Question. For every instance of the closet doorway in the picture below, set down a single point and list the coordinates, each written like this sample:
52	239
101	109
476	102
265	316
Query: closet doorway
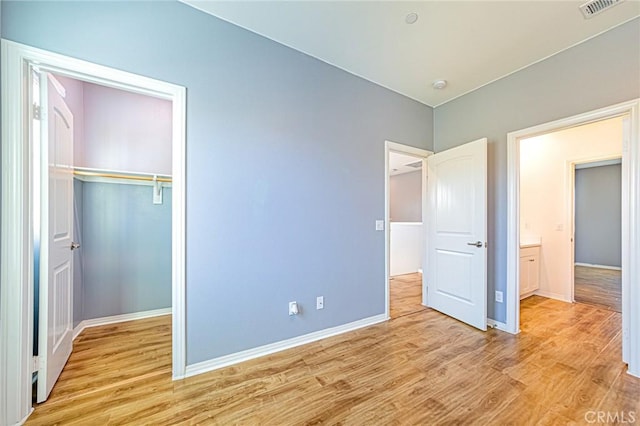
104	209
20	179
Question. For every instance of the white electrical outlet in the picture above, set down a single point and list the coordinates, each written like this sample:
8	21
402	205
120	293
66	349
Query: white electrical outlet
498	296
320	302
293	308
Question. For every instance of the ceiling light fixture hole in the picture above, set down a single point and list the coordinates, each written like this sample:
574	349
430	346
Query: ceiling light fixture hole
411	18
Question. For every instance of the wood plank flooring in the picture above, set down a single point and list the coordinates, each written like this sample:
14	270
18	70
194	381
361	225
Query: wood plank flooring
405	295
113	355
598	286
422	368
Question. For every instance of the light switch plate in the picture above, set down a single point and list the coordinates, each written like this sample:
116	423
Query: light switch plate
379	225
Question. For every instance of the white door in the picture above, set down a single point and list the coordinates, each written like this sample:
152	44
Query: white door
56	277
457	233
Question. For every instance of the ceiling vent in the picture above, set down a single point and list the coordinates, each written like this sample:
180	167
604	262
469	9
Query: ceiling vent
594	7
416	165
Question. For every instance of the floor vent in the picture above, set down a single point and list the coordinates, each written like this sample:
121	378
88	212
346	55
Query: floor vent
594	7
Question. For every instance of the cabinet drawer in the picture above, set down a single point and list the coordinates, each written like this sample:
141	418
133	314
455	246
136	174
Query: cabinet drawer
530	251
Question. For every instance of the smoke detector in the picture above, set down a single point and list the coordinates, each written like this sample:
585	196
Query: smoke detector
439	84
593	7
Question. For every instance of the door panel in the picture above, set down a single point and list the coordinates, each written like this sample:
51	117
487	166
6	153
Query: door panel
56	278
457	233
454	275
453	190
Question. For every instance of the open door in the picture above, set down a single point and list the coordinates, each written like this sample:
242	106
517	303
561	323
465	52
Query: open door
56	277
457	233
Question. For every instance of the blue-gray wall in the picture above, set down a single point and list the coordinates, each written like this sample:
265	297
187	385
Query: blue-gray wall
600	72
125	254
598	215
285	164
405	197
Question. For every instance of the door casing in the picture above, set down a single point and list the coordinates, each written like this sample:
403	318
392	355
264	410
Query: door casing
16	222
630	221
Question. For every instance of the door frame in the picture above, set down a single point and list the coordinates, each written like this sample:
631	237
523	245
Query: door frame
16	236
630	219
571	207
422	154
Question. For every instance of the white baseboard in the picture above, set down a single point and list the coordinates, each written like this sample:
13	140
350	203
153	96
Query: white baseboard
529	294
497	324
94	322
419	271
235	358
23	421
556	296
593	265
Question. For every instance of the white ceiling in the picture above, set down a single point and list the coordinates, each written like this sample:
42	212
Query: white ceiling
468	43
398	163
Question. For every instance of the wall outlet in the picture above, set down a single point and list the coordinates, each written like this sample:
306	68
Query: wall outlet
293	308
499	296
320	302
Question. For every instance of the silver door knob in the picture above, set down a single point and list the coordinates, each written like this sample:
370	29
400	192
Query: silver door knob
477	244
74	245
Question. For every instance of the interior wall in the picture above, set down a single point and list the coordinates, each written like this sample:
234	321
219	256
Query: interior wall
285	164
600	72
127	249
598	211
125	131
406	247
545	194
405	197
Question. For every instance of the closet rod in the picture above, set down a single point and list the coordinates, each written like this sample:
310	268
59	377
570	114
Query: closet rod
120	176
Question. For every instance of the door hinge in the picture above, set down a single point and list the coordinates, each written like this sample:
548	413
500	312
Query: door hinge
37	112
36	364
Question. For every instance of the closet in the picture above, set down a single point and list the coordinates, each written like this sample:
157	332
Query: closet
122	203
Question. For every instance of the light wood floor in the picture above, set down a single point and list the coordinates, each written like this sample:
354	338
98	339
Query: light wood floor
423	368
405	295
598	286
111	356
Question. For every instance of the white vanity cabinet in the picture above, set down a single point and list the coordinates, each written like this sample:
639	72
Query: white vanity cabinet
529	270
